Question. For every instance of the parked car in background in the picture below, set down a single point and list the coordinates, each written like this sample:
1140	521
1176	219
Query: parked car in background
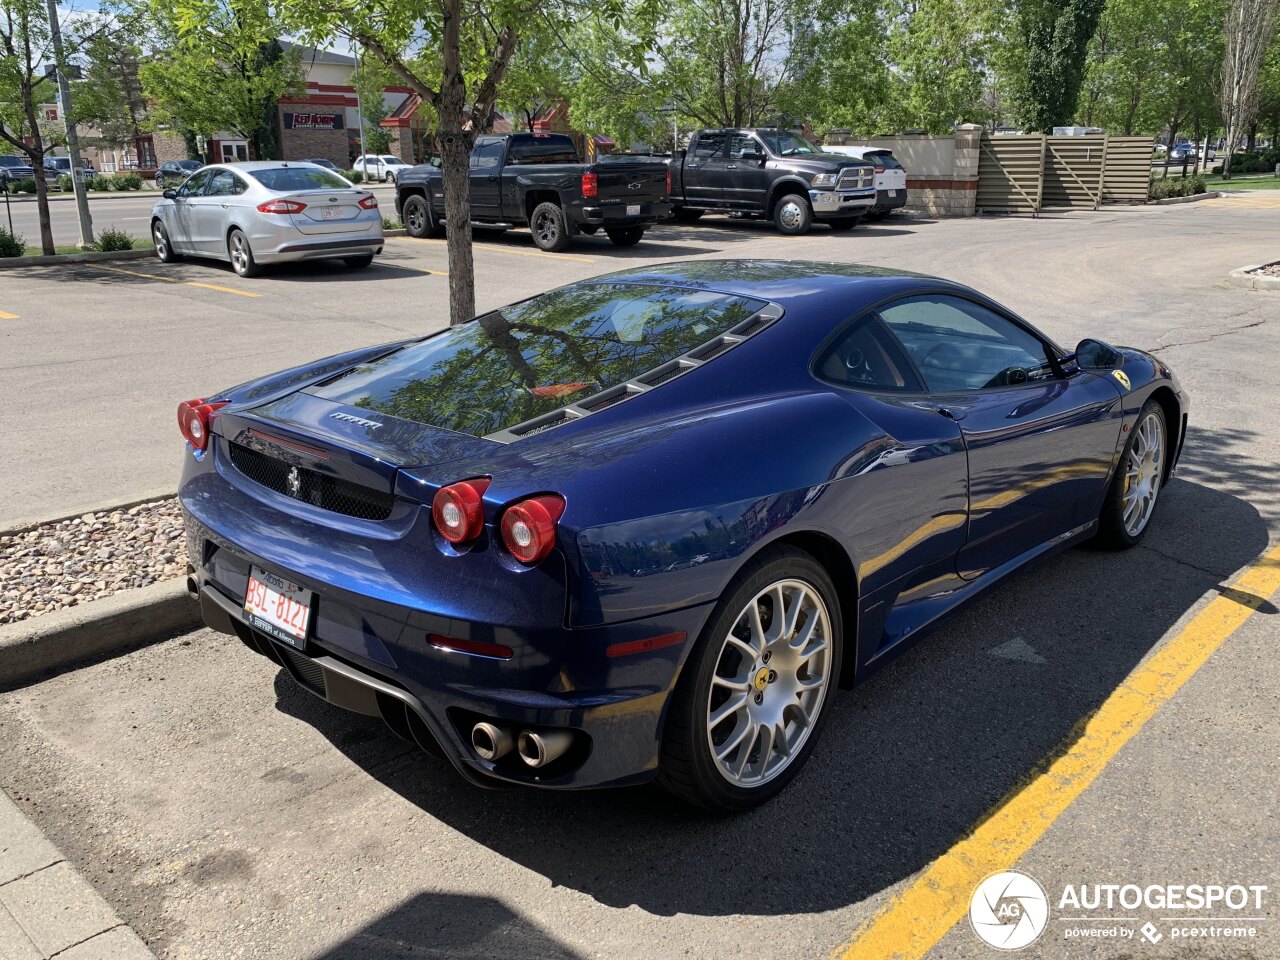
61	166
323	162
771	174
536	179
172	172
14	168
1183	151
261	212
891	177
383	167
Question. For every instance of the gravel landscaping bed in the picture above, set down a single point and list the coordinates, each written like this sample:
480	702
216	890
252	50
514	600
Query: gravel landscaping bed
89	557
1267	270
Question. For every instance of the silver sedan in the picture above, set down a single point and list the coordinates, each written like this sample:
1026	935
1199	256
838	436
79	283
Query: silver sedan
267	211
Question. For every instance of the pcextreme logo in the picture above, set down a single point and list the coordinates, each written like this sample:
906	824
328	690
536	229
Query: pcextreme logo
1009	910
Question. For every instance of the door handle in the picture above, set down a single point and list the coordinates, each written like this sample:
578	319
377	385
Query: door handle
493	177
731	166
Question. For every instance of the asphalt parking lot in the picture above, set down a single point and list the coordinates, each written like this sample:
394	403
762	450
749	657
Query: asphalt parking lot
226	813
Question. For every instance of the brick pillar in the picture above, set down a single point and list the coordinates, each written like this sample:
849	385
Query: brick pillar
965	169
838	137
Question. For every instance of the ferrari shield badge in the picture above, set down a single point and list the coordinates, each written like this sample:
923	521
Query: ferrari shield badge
1121	377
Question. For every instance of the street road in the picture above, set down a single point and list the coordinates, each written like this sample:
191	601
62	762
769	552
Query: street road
225	812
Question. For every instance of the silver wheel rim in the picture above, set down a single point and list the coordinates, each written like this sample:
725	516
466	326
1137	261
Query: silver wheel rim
769	684
239	252
546	228
161	241
791	215
414	217
1143	471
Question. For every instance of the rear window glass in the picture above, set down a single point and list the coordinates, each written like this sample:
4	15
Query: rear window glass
886	160
288	179
542	150
534	357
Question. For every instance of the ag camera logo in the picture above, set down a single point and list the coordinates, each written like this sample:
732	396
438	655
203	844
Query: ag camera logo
1009	910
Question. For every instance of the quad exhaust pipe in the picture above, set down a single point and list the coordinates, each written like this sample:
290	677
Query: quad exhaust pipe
538	749
490	742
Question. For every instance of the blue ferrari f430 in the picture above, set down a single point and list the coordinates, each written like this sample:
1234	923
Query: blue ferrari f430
646	525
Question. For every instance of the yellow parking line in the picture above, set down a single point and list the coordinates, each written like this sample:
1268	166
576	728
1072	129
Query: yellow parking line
914	921
501	249
8	316
154	276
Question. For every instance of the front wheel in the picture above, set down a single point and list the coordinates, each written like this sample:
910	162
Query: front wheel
625	236
241	255
164	247
1139	477
757	689
550	232
792	215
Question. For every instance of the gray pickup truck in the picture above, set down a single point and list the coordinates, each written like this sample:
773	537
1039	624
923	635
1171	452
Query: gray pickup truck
772	174
536	179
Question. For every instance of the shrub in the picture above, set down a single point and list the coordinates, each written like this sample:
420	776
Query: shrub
11	245
97	182
64	182
1176	187
113	239
355	176
25	185
389	224
126	181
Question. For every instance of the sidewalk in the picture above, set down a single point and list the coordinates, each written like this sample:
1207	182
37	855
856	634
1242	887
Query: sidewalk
46	908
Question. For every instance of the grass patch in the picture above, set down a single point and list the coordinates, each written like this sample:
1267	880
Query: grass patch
139	243
1243	183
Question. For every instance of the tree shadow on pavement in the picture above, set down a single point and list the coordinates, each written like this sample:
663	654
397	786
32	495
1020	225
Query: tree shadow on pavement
911	759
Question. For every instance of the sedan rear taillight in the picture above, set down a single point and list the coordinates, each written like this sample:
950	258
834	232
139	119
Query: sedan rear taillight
529	527
458	511
281	206
590	185
369	203
193	420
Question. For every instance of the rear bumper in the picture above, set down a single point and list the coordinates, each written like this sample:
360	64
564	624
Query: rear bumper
615	215
320	247
829	204
885	201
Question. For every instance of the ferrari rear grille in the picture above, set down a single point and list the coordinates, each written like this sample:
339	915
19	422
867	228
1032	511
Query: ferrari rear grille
310	486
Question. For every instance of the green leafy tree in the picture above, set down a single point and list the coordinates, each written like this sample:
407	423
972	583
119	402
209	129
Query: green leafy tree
1249	29
1044	65
938	52
370	78
110	97
218	65
24	46
841	76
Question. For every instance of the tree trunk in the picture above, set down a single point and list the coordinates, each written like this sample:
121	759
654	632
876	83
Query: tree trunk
455	166
1173	134
1252	142
36	154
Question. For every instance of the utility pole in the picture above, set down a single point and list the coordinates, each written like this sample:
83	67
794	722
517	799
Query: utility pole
69	121
360	113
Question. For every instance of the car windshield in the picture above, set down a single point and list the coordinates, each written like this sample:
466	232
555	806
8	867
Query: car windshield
10	161
531	358
785	144
288	179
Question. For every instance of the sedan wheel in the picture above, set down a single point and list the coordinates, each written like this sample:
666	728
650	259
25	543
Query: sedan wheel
754	693
160	237
241	255
1135	488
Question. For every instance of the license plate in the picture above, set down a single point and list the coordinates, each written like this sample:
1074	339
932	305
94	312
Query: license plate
892	193
277	607
333	213
633	209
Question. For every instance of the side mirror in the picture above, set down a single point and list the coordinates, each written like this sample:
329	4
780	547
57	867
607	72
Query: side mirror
753	157
170	194
1095	355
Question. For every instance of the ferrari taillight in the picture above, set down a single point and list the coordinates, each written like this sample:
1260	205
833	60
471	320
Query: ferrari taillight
529	527
193	420
281	206
590	185
458	510
369	203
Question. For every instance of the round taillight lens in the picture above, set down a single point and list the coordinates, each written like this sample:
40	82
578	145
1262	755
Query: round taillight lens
193	421
458	510
529	527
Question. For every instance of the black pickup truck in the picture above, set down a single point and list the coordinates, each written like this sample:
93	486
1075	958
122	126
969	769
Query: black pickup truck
772	174
536	179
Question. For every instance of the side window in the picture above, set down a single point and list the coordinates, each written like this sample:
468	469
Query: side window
708	145
224	184
741	143
959	345
866	356
195	184
487	156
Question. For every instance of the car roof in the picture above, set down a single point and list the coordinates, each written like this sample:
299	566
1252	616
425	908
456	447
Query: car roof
251	165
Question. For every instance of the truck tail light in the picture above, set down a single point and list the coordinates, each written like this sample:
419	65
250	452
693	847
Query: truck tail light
193	420
590	185
281	206
529	527
879	169
458	511
668	181
369	203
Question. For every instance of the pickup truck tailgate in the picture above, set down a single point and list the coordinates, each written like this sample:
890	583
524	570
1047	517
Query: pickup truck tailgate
641	182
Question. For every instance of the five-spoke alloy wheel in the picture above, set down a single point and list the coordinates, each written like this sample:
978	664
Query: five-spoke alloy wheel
1139	477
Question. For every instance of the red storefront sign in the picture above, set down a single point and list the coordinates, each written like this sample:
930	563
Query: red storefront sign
313	121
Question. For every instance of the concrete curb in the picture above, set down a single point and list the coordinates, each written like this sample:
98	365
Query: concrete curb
395	233
23	524
1243	278
127	619
75	258
1207	195
47	909
92	195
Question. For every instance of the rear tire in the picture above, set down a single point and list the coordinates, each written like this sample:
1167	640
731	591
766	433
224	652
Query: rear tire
547	224
792	214
164	247
685	215
1135	489
774	681
358	263
419	219
241	255
625	236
